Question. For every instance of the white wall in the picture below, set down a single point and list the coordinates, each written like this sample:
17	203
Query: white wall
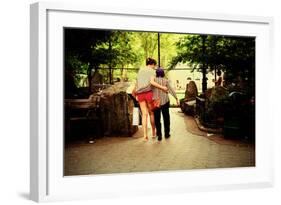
14	101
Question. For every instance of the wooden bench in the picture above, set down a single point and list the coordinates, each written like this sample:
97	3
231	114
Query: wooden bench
83	117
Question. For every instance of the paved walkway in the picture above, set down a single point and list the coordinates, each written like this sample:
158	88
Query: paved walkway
188	148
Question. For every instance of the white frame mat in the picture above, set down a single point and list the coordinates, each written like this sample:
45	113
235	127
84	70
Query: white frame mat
47	182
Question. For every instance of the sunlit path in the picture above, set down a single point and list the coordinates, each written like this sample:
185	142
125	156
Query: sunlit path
187	148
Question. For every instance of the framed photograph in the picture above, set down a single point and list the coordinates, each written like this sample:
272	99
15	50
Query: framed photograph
97	72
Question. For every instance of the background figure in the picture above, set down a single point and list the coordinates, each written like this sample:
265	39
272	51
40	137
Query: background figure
143	93
218	82
165	104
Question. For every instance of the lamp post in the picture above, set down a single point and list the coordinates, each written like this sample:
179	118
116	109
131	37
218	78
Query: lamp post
158	49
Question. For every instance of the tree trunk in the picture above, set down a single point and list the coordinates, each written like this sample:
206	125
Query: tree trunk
122	71
204	66
89	73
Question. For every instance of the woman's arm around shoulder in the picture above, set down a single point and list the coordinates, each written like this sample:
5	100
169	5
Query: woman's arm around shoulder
155	84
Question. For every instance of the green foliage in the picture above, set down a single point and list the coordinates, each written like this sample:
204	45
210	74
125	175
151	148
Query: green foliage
217	100
216	106
115	52
107	50
98	49
80	42
144	44
235	55
75	65
168	48
148	41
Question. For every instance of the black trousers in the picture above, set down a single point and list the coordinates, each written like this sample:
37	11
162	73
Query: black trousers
164	109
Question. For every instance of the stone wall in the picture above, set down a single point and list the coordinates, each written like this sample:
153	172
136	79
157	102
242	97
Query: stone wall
116	110
188	103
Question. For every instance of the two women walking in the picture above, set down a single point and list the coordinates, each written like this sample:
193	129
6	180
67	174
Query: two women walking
148	88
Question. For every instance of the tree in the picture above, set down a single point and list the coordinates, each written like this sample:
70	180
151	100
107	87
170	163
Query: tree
97	48
235	55
168	47
122	53
79	44
148	43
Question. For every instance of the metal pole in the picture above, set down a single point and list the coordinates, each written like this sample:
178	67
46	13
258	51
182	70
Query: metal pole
159	50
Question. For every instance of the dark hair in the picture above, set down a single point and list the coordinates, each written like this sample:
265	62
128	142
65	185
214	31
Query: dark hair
150	61
160	73
219	73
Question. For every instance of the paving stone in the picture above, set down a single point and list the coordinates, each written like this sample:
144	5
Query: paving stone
183	151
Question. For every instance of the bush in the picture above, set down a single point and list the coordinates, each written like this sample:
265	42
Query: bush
216	106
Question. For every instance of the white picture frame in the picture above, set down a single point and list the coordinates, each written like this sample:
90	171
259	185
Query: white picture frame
47	182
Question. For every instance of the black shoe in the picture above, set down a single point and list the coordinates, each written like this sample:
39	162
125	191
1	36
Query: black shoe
167	136
159	138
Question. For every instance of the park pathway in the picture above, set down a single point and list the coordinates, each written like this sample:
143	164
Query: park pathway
188	148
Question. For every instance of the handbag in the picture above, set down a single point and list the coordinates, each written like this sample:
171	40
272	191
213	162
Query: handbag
155	104
136	116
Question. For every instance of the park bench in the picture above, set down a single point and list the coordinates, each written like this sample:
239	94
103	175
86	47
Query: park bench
200	107
83	117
